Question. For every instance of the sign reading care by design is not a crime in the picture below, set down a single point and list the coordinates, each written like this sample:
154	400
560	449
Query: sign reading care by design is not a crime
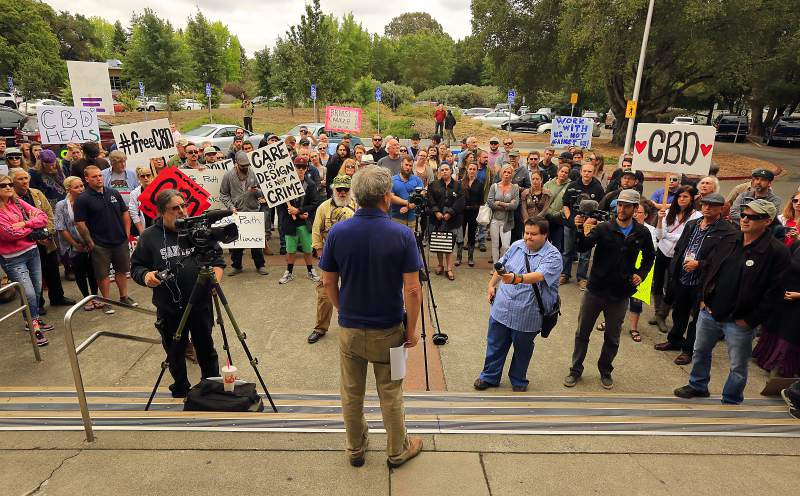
276	174
141	141
59	125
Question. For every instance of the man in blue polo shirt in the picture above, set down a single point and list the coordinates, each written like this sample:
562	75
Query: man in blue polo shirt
378	263
403	185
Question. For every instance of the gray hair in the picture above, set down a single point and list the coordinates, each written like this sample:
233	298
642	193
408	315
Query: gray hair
16	171
713	180
117	156
370	185
164	197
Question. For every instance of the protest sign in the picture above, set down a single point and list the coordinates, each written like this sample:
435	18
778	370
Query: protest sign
674	148
141	141
643	289
223	165
59	125
571	131
210	180
196	198
251	230
343	119
91	86
276	174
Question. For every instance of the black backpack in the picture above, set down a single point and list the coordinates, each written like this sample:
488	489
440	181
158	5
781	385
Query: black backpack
210	396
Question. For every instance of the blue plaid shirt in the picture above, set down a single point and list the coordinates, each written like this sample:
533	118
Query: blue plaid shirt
515	305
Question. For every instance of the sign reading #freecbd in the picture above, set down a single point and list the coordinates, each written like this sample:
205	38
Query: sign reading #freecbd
343	119
677	148
144	140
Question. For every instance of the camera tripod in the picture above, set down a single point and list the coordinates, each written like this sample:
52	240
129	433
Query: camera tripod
205	277
439	338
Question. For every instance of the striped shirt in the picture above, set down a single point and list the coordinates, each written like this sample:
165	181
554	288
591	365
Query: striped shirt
696	239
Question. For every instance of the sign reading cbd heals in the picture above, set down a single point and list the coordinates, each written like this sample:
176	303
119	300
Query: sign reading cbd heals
144	140
58	125
196	198
343	119
674	148
276	174
572	131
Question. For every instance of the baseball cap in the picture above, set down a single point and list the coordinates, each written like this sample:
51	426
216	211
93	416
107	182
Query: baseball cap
13	151
513	153
762	207
182	142
304	142
713	199
209	149
494	139
300	160
628	172
272	136
628	196
766	174
341	181
47	156
238	138
241	158
565	156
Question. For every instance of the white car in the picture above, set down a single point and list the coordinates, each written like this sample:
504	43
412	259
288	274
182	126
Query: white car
189	104
591	114
475	111
152	104
689	121
220	135
32	105
497	119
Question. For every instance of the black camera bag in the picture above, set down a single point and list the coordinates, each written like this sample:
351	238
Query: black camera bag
210	396
549	319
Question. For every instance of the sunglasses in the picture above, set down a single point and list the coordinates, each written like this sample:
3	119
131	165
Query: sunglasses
673	179
795	200
754	216
14	157
145	175
191	152
342	190
300	167
404	149
508	144
377	139
6	185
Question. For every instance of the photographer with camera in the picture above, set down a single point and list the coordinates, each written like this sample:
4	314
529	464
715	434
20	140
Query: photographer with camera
159	262
404	185
612	282
587	187
515	317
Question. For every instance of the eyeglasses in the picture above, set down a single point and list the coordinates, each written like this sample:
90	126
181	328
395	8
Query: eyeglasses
342	190
404	149
6	185
178	208
145	175
754	216
191	152
300	167
377	139
14	157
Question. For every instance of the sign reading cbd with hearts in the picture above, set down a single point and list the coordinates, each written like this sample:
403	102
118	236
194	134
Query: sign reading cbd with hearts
673	148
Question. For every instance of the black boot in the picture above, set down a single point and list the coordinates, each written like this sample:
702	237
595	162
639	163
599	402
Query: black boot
470	253
459	247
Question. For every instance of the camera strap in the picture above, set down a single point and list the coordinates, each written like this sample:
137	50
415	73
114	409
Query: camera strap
535	286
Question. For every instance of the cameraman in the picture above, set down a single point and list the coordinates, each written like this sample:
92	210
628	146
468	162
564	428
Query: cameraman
612	282
584	188
158	250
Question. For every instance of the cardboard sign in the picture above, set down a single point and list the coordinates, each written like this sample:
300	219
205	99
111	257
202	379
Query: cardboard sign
343	119
251	230
210	180
276	174
674	148
572	131
91	86
196	198
59	125
223	165
142	141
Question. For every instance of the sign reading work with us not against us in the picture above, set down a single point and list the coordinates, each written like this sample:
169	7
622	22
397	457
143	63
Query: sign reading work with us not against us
571	131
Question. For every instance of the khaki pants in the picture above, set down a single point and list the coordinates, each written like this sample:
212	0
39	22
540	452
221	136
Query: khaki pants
408	223
358	347
324	310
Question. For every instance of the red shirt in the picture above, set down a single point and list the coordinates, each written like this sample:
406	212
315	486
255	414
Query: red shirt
439	115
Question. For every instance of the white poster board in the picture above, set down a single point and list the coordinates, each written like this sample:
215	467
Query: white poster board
677	148
571	131
91	86
142	141
223	165
59	125
276	174
210	180
251	230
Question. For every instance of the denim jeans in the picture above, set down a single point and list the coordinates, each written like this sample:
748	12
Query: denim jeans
569	255
499	340
481	236
26	269
740	346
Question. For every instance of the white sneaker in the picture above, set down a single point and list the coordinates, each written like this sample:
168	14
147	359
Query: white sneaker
312	274
287	276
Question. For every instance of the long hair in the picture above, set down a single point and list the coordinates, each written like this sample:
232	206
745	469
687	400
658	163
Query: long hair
675	209
788	210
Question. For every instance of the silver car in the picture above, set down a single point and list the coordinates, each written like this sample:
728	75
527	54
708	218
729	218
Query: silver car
220	135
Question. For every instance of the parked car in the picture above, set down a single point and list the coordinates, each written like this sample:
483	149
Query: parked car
689	121
315	128
189	104
546	111
591	114
8	99
731	126
32	105
9	123
152	104
475	111
28	130
526	122
502	106
784	130
524	109
497	119
259	100
220	135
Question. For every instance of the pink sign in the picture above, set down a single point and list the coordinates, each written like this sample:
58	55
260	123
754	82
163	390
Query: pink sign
343	119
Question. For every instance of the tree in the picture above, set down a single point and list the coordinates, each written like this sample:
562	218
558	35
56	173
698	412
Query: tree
261	66
104	31
410	23
469	61
233	60
352	50
423	72
207	55
383	58
77	37
283	78
119	41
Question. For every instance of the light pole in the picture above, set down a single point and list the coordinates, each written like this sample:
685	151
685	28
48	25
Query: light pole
636	86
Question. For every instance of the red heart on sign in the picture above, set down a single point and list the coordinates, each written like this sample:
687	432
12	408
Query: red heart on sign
640	145
705	149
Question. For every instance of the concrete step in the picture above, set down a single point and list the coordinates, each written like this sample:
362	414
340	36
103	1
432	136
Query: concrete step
426	413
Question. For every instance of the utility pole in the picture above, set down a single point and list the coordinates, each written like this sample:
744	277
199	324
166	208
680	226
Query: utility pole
637	85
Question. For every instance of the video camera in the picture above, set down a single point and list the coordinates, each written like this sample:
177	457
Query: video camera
196	232
419	198
588	209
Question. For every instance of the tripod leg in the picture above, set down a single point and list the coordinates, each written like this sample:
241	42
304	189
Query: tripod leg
164	366
221	323
424	343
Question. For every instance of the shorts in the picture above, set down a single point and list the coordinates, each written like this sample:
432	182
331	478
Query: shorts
302	238
103	258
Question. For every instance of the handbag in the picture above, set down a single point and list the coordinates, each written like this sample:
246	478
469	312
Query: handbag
549	319
441	241
484	215
37	234
210	396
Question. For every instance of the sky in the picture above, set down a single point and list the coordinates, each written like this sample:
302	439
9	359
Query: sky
258	23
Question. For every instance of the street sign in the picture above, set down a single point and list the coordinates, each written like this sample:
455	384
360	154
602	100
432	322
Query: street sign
630	110
208	90
10	83
573	98
141	89
314	92
378	94
512	95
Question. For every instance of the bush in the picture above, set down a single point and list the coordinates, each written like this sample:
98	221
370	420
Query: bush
129	100
363	92
464	95
233	89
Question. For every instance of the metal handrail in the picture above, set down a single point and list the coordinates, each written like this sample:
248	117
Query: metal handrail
73	352
26	312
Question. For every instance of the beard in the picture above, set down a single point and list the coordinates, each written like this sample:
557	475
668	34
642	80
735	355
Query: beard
340	202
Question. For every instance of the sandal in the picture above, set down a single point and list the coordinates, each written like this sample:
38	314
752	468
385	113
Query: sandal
450	275
601	326
98	304
635	335
439	270
89	307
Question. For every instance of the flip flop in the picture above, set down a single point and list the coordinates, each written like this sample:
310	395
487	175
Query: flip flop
450	275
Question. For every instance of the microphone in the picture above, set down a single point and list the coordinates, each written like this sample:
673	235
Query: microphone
500	268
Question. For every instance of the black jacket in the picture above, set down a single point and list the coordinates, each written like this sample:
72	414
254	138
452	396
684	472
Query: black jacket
548	171
577	191
473	196
613	183
749	282
449	120
307	203
447	200
615	258
377	154
158	249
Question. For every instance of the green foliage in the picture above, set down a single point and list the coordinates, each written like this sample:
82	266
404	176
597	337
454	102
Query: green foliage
435	68
469	61
156	55
261	70
464	96
233	60
282	77
129	99
104	31
77	37
412	22
383	58
364	90
207	51
402	127
119	40
396	94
